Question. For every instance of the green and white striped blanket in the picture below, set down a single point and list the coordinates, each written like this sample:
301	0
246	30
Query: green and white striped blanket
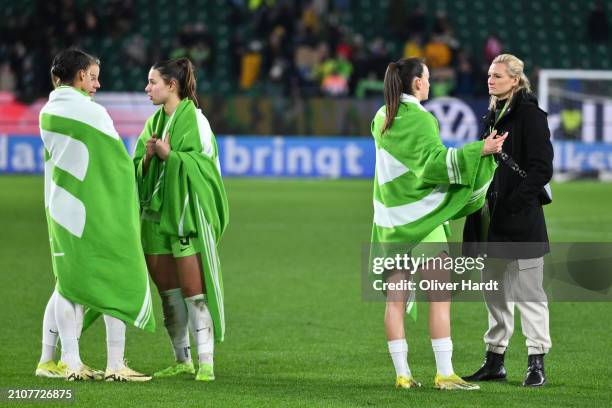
187	193
420	183
91	204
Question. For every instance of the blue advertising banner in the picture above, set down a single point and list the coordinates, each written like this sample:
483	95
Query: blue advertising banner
297	157
325	157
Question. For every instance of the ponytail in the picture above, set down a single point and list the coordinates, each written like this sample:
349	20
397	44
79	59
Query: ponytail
392	92
398	79
189	84
181	70
524	82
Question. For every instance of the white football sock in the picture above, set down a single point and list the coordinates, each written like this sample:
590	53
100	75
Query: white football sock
115	343
399	354
443	351
50	334
80	315
67	325
201	327
176	323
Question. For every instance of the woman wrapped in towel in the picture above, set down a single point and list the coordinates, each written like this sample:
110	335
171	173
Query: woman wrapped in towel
420	184
92	216
184	213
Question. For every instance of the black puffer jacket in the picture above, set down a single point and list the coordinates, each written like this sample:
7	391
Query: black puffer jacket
515	202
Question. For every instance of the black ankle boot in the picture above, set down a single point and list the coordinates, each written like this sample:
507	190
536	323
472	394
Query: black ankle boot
492	369
535	371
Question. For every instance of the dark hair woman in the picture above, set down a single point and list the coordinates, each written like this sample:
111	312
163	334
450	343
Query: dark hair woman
76	68
420	185
93	259
184	213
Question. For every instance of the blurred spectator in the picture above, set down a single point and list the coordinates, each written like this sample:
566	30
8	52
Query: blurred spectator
310	52
335	84
250	65
571	122
135	50
442	81
195	43
334	33
444	31
237	50
310	19
293	47
417	21
492	48
414	46
335	74
7	78
344	48
283	15
441	24
464	80
437	53
278	60
119	16
360	62
307	59
378	58
90	24
597	24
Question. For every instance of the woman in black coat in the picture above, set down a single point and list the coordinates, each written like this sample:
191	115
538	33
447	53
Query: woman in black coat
513	215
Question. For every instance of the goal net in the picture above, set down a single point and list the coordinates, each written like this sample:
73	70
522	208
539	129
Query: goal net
579	104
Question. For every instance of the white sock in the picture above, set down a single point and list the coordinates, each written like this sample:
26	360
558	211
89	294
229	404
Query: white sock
67	325
115	343
176	322
50	334
201	327
80	315
399	354
443	351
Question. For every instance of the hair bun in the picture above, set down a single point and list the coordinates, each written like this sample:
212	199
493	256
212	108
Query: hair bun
57	70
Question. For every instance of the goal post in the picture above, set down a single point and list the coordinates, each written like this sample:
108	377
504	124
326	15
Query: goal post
579	103
579	106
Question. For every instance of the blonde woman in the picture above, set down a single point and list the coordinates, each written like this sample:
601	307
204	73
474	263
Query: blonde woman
513	214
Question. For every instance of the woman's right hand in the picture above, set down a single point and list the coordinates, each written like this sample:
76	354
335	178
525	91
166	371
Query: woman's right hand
149	152
150	146
493	143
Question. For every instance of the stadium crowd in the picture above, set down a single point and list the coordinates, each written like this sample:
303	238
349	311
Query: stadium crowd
297	48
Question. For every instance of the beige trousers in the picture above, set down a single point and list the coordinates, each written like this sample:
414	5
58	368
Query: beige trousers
520	285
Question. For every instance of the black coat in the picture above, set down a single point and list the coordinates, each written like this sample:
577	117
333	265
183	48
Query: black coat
514	202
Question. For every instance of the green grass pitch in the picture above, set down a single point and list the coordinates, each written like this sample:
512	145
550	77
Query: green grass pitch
299	333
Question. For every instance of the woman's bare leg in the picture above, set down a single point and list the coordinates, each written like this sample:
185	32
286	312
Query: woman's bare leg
439	300
162	269
395	307
190	275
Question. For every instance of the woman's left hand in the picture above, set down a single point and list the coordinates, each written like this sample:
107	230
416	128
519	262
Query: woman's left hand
162	148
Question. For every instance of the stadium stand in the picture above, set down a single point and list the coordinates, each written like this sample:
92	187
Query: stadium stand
129	35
